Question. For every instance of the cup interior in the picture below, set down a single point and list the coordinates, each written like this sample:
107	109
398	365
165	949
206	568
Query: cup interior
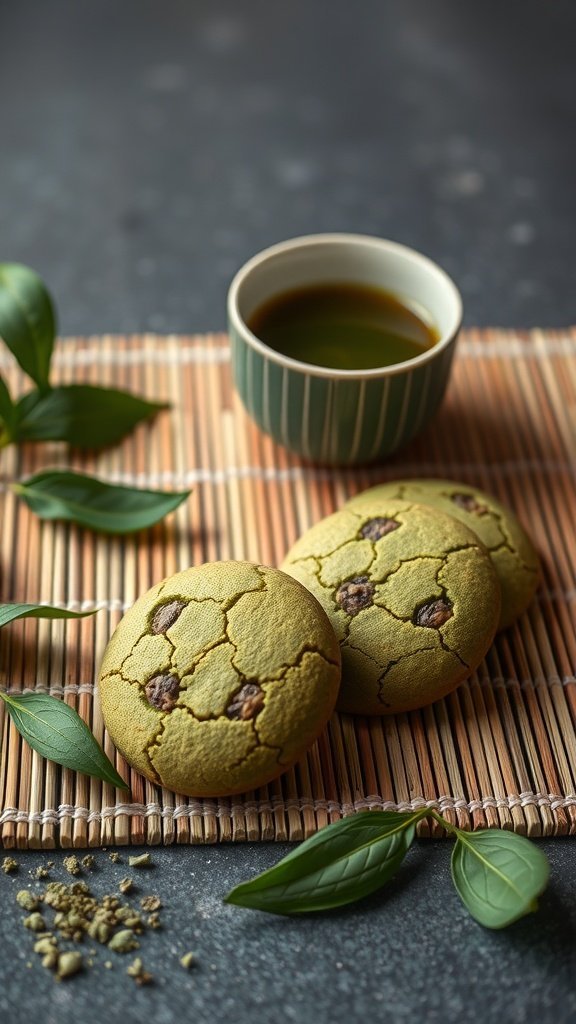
351	259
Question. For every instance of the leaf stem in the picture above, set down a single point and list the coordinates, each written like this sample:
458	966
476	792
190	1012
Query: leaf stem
447	825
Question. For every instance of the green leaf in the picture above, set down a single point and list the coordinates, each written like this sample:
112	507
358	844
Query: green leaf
53	729
27	320
82	415
498	875
10	612
341	863
26	403
8	414
93	503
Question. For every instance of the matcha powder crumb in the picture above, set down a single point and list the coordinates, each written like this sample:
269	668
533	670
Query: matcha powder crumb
26	900
35	922
123	941
150	903
68	964
72	865
143	860
62	915
40	872
45	945
136	971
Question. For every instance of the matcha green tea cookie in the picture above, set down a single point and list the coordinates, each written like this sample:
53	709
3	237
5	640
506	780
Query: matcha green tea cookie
219	678
412	596
511	550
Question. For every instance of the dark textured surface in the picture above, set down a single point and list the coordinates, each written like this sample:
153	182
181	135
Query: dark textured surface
409	953
147	150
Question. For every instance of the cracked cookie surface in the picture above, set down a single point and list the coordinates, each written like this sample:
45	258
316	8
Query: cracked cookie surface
512	552
412	596
219	678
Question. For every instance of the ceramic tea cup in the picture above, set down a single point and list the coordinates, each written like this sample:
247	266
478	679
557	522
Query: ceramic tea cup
334	416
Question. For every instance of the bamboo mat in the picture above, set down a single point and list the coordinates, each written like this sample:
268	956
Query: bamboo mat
501	751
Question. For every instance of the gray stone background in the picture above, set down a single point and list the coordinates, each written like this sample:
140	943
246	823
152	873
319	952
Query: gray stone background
147	149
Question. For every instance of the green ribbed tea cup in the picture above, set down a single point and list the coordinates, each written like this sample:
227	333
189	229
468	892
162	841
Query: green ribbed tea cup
333	416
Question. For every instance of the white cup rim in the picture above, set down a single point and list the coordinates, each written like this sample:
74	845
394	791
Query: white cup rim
382	244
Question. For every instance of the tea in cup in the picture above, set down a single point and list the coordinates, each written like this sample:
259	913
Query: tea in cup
342	344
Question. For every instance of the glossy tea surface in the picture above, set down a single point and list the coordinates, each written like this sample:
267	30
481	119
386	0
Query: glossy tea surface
342	326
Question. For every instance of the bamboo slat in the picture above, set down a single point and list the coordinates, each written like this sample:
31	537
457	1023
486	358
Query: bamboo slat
500	751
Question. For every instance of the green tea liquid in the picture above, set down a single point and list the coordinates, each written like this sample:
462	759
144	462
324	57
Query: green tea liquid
342	326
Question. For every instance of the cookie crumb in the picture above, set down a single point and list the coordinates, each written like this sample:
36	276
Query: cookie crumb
142	860
40	872
99	930
188	960
9	865
131	919
136	971
150	903
123	941
72	865
45	945
89	861
69	964
35	922
125	885
114	857
26	900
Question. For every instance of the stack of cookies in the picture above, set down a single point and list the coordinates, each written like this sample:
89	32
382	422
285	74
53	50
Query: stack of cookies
222	676
416	577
